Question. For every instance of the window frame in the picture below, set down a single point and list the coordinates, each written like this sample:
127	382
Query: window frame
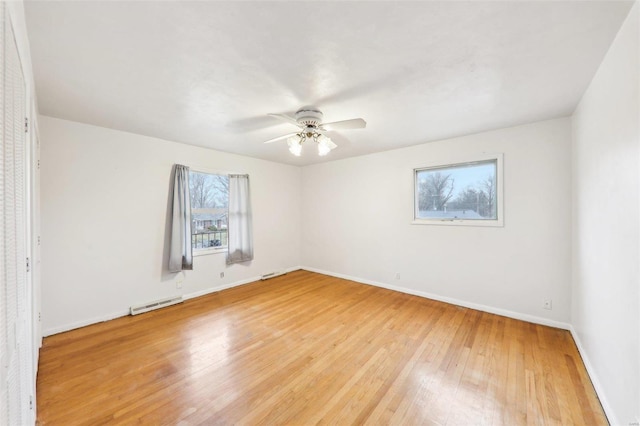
456	162
208	250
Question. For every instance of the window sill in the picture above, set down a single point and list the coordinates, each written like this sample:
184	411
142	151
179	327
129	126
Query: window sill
205	252
459	222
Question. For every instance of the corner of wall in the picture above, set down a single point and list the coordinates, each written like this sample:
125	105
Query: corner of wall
606	148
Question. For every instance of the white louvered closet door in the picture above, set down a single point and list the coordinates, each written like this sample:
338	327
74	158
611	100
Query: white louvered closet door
16	388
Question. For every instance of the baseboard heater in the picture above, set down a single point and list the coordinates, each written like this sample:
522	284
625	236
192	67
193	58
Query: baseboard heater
151	306
272	275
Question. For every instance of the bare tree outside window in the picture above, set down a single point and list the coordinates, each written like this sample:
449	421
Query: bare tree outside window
488	188
209	210
208	190
435	190
464	191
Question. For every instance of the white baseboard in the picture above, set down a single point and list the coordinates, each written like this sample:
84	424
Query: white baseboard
234	284
490	309
123	313
608	411
219	288
79	324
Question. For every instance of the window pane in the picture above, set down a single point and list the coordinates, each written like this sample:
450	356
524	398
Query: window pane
209	209
461	191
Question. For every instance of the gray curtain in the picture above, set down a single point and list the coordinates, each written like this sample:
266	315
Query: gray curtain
239	233
180	255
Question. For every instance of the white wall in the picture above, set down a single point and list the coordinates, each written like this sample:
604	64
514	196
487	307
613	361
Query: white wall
606	256
357	222
104	202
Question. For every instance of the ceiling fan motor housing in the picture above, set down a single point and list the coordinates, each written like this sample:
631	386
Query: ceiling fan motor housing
309	116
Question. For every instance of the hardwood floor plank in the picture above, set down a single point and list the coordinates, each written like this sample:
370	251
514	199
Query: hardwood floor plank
305	348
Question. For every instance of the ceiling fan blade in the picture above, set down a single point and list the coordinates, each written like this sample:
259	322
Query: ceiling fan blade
355	123
280	138
286	118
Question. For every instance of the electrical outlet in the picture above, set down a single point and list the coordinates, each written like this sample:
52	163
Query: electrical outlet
221	274
180	279
547	304
397	275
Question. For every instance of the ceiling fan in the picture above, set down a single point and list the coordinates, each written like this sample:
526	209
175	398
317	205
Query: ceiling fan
309	120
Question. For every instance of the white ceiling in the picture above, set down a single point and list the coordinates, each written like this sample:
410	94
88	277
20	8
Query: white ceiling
207	73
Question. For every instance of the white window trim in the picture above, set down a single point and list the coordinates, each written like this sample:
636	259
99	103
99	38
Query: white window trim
208	250
499	222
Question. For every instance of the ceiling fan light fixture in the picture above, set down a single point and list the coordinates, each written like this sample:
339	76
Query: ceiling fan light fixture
325	145
295	145
309	120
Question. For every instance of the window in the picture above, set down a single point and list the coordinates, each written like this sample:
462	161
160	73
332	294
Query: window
466	193
209	211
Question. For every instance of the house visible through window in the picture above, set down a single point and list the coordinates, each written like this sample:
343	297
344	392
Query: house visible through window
209	210
464	192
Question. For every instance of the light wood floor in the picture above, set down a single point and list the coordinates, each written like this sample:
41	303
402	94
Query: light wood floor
306	348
